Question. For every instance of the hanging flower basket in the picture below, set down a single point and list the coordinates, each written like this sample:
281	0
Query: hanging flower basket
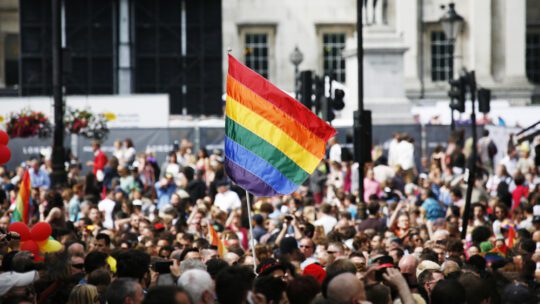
27	123
86	123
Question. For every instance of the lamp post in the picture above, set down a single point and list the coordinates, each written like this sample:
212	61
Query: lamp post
452	23
58	175
296	58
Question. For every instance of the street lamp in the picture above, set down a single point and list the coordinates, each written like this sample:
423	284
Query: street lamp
452	23
296	58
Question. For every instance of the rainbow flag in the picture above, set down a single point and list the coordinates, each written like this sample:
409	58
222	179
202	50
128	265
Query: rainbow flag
272	142
22	204
215	240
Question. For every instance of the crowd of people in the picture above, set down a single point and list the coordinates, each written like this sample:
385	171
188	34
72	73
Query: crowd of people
136	231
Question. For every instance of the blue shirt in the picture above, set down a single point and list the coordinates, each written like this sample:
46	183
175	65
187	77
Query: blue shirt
434	210
39	179
164	194
74	208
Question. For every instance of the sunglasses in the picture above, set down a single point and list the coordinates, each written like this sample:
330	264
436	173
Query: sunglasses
78	266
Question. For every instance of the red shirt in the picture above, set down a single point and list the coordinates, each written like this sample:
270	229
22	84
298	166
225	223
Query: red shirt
100	160
517	194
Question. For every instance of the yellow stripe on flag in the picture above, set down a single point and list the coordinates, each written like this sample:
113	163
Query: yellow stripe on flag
272	134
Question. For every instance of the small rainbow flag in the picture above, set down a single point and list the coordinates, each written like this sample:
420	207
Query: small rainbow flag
272	143
215	240
22	204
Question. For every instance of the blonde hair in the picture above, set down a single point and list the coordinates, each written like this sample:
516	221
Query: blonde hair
83	294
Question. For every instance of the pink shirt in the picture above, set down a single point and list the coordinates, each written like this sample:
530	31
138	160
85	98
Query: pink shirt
371	187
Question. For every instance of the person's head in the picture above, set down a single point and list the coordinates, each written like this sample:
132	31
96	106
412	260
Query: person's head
373	208
478	210
84	294
233	284
427	279
23	261
448	292
101	278
102	243
128	143
403	222
273	289
501	212
302	289
123	291
307	247
477	289
77	264
335	250
95	260
189	264
199	286
378	293
345	288
167	295
96	145
190	254
517	293
134	264
215	266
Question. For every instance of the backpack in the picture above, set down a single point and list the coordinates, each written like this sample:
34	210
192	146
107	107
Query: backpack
491	149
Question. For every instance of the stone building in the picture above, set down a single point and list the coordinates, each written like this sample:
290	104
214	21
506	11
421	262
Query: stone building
406	54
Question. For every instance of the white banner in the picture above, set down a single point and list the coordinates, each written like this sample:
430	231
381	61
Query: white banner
131	111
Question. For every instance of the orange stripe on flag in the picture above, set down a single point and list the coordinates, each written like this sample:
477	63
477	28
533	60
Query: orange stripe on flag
280	99
276	116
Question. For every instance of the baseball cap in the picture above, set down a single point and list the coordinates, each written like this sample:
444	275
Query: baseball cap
267	266
425	265
315	270
12	279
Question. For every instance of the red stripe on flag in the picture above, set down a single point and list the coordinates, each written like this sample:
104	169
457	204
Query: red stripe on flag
280	99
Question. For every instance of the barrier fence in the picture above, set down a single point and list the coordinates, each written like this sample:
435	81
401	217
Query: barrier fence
160	140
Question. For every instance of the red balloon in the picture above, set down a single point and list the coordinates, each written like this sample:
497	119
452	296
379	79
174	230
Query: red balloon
21	229
30	246
41	231
4	138
5	154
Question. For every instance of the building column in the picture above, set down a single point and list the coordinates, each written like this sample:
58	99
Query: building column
124	51
407	24
515	26
480	45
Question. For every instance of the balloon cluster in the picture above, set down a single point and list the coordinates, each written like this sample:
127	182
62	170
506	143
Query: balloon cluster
37	240
5	154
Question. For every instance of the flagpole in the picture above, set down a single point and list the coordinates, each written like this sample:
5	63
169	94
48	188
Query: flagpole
252	241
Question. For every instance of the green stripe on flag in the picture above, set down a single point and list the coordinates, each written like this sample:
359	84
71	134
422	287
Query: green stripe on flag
266	151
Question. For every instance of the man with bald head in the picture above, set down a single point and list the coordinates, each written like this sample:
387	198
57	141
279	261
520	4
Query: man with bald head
345	289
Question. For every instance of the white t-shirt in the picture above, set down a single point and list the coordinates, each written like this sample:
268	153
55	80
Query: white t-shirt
107	206
335	153
328	222
227	200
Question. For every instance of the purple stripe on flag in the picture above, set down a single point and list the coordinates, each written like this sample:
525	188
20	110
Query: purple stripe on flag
247	180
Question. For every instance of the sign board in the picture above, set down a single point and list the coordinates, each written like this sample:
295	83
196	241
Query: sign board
131	111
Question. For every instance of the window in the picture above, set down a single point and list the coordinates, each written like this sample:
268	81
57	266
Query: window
442	63
11	57
532	55
256	52
334	63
